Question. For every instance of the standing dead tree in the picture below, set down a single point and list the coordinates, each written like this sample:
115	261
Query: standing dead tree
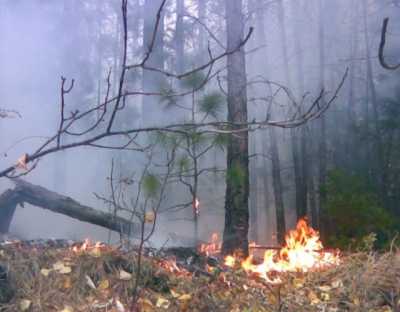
382	44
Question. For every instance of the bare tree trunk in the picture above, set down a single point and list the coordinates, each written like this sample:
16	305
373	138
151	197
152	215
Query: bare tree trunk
265	175
277	186
322	148
302	164
8	203
261	39
293	138
380	173
179	36
202	6
253	190
152	81
237	181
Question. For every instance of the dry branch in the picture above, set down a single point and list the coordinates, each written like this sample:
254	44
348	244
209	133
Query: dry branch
382	47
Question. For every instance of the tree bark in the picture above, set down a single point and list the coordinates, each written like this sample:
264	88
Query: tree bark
237	181
39	196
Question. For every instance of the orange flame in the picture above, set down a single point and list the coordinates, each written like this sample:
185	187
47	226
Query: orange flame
88	247
302	252
212	248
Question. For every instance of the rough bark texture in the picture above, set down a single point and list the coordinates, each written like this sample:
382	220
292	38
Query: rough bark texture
237	182
39	196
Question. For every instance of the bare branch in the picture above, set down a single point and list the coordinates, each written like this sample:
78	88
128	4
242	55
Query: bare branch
382	47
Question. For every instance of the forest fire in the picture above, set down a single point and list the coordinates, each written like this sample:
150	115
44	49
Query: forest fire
88	247
212	248
302	252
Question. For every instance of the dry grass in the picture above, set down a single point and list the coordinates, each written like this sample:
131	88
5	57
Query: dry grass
93	282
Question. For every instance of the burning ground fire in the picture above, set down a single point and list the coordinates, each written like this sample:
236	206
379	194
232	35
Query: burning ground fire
303	251
88	247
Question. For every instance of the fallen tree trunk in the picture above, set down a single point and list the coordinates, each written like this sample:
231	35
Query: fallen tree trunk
8	203
39	196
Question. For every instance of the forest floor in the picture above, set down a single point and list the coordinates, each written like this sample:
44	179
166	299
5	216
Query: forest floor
102	278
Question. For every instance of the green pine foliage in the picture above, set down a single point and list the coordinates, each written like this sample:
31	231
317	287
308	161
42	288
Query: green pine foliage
212	104
354	211
151	185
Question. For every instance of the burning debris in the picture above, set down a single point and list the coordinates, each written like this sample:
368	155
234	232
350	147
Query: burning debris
303	251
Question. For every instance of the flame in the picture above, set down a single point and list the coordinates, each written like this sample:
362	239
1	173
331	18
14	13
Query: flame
303	251
88	247
212	248
196	206
229	261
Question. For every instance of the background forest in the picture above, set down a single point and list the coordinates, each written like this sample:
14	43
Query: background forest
340	168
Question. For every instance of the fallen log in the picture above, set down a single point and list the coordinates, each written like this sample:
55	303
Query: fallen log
25	192
8	203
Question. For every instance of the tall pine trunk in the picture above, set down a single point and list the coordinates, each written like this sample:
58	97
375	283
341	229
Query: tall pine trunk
152	81
293	137
322	148
237	180
379	168
302	161
272	135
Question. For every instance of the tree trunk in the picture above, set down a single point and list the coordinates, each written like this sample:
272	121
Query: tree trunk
152	81
303	161
261	39
380	174
179	36
277	186
322	148
293	136
38	196
8	203
202	6
237	181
